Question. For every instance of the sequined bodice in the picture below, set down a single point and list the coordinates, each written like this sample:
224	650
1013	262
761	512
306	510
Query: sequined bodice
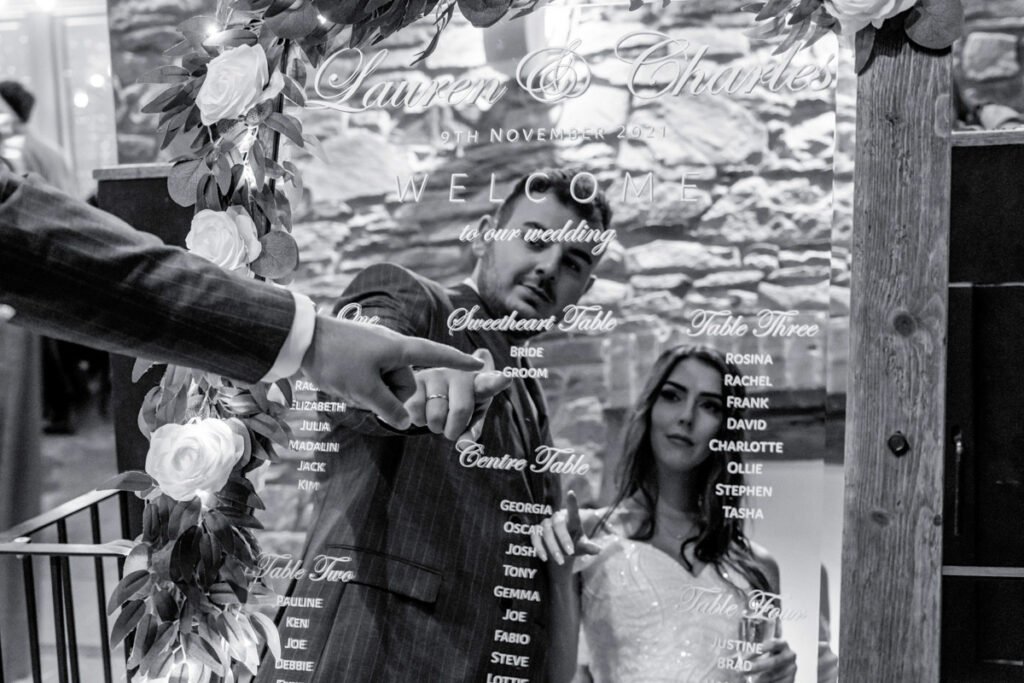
647	619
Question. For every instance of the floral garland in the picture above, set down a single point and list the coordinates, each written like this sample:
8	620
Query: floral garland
930	24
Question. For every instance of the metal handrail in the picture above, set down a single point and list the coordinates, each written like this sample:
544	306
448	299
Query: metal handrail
112	549
51	517
17	541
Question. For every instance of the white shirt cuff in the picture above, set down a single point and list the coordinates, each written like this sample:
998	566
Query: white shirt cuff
289	358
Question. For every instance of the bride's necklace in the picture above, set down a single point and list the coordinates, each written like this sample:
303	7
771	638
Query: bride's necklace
674	523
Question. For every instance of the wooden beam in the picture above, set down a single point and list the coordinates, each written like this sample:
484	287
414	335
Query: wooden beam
988	138
892	539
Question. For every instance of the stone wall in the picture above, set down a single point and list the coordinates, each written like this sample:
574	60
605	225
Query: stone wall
140	32
989	60
759	234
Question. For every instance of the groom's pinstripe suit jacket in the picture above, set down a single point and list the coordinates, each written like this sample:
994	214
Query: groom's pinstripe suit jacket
426	536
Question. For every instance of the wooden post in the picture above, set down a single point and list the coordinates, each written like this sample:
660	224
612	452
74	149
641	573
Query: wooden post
892	540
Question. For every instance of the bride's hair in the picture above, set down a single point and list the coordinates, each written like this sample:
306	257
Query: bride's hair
718	541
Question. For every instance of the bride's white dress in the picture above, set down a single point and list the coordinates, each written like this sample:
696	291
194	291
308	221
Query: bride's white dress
646	618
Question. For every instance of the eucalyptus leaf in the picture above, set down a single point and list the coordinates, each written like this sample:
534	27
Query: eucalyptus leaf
201	140
258	164
864	46
296	177
265	627
772	8
131	613
183	181
210	557
250	5
185	556
141	367
145	634
161	648
183	673
165	100
935	24
275	7
166	606
132	480
196	29
285	387
804	10
197	649
293	91
182	48
223	594
174	120
239	519
316	148
287	126
195	61
168	73
209	193
279	256
184	516
224	174
340	11
219	526
297	69
793	37
230	38
295	23
130	586
195	118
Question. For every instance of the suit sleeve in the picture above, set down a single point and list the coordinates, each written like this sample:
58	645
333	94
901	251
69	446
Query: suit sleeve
399	300
74	272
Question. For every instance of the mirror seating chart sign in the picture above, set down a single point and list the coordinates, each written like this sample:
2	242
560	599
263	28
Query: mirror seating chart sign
626	210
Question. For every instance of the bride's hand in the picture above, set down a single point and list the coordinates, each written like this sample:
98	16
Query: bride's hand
777	664
562	535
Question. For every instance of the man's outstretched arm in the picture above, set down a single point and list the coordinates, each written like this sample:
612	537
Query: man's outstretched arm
74	272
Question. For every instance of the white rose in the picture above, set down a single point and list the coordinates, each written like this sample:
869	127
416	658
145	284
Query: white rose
236	81
196	458
854	15
228	238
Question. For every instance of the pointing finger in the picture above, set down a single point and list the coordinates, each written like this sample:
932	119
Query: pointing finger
538	545
425	353
487	384
562	533
573	508
384	404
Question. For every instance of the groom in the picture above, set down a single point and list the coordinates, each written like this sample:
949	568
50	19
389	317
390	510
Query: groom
433	524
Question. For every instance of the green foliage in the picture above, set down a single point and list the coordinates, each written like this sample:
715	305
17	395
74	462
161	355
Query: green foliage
930	24
791	23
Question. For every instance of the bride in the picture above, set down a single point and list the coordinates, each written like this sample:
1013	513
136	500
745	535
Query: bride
661	579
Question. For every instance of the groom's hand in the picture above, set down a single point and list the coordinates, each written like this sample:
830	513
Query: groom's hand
370	365
452	402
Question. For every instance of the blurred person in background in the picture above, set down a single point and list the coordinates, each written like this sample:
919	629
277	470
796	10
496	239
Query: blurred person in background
26	362
65	381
